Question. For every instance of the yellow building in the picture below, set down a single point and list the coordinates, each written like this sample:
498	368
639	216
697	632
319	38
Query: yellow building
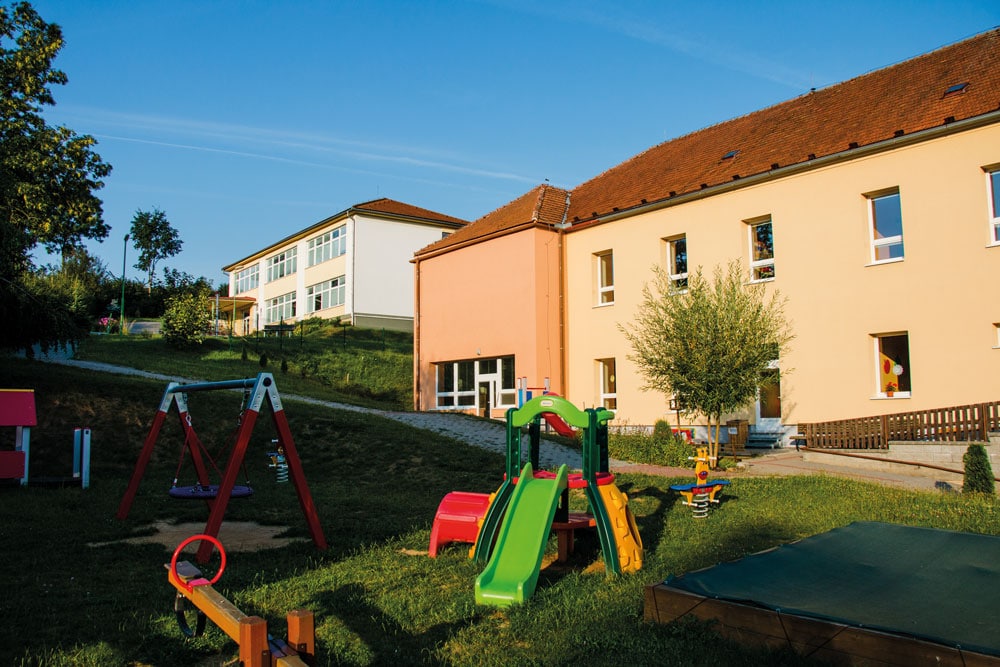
873	206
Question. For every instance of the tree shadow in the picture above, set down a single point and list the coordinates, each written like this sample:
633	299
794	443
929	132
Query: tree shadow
388	641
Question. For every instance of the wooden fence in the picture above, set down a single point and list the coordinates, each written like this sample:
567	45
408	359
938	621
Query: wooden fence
961	423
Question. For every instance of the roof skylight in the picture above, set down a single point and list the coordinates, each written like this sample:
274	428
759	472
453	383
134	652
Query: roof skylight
957	88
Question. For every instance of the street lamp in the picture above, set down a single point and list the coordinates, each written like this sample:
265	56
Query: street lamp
121	326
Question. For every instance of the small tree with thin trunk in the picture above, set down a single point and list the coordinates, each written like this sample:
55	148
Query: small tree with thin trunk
154	237
708	344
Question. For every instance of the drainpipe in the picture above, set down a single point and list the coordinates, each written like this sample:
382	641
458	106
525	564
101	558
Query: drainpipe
561	234
416	333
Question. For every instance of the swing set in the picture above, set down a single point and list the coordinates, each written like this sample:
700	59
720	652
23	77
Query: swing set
217	496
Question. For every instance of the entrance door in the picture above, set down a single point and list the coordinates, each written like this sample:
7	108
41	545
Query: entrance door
769	402
486	390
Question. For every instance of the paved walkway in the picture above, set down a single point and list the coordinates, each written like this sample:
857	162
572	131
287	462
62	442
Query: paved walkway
492	436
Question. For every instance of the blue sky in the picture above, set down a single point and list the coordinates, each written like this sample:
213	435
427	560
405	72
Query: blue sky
248	121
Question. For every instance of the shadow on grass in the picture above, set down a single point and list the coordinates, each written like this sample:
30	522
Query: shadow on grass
388	641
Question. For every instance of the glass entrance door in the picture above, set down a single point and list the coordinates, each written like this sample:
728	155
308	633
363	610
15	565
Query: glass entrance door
769	402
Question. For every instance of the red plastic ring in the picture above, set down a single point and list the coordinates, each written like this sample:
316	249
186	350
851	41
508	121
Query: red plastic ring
198	538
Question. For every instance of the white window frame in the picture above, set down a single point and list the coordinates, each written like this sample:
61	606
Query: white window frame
678	279
993	192
327	246
455	398
283	264
607	383
996	335
280	308
248	279
887	241
327	294
880	389
761	268
604	263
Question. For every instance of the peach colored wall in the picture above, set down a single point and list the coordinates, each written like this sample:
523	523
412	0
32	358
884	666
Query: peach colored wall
489	300
944	293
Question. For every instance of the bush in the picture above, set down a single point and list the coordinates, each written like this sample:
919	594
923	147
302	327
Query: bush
978	471
663	447
185	320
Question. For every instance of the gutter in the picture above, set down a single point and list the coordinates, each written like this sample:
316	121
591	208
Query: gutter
920	136
481	239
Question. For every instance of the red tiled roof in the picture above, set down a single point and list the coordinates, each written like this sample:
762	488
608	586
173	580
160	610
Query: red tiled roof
393	207
545	205
898	100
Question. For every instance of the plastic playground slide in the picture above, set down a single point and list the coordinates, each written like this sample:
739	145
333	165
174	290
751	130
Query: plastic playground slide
512	572
558	425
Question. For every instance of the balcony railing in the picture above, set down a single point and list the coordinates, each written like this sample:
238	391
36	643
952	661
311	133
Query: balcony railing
955	424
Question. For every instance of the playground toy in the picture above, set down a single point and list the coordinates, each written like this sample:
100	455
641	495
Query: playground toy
279	464
257	647
217	495
702	492
17	409
526	393
511	527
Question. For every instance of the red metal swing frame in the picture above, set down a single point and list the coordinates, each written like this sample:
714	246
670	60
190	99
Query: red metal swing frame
261	387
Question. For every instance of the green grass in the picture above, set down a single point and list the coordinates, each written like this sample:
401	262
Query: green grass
369	367
377	598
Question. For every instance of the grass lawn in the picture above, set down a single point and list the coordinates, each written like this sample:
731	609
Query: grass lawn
76	595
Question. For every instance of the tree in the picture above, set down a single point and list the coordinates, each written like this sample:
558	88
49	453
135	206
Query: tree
154	237
48	176
709	345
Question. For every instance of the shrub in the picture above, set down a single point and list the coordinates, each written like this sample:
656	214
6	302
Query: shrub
663	447
185	320
978	471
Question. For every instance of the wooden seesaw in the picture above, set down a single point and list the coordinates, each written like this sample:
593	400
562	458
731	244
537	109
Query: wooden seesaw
257	648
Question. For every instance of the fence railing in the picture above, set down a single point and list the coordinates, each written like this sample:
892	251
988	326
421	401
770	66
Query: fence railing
955	424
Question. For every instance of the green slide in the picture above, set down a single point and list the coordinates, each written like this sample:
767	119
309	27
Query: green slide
512	573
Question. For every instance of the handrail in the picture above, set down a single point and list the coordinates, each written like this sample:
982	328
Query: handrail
919	464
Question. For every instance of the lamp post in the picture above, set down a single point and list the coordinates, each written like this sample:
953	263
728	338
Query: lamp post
121	327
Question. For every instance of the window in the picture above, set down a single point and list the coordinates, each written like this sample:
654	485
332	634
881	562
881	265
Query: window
993	184
508	383
248	279
281	265
280	308
761	250
609	392
326	294
996	335
886	227
677	261
893	373
327	246
457	382
605	277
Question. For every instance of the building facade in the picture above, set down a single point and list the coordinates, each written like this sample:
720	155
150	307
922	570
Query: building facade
872	206
352	267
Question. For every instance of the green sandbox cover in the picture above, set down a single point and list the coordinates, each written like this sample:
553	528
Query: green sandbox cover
937	585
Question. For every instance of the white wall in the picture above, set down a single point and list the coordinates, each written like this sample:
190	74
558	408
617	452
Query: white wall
381	279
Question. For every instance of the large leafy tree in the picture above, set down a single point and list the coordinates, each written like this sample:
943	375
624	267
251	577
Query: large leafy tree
709	344
48	176
155	239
